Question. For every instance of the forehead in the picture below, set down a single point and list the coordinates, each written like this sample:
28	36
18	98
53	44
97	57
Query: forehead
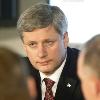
43	33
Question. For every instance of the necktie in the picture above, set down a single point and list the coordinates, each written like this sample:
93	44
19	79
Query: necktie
49	84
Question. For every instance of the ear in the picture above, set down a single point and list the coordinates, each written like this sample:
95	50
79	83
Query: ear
66	39
98	87
95	85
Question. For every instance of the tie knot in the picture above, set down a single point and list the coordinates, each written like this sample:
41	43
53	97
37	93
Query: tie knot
49	83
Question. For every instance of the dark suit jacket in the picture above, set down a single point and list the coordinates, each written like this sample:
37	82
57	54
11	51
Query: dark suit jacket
68	76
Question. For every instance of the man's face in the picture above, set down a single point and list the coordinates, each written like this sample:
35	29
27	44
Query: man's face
86	79
45	48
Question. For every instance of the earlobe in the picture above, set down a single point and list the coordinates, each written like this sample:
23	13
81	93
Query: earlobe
95	86
66	39
98	87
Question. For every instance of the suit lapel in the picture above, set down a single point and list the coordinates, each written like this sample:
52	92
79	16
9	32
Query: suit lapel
68	80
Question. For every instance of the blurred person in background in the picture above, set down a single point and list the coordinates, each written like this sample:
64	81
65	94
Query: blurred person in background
12	79
89	68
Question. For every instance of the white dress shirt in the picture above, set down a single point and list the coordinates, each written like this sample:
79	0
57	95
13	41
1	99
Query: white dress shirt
55	77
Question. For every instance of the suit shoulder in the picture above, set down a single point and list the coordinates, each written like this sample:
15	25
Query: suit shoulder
73	52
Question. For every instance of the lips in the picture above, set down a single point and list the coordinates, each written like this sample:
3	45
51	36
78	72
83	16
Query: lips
44	63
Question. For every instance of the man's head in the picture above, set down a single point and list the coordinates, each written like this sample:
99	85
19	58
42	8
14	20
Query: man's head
89	68
43	29
41	16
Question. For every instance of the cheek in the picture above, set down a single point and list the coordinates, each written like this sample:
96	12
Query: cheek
58	48
31	54
55	52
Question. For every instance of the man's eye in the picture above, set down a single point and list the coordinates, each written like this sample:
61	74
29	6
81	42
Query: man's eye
32	45
49	43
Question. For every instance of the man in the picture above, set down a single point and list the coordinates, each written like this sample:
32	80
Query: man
43	30
89	68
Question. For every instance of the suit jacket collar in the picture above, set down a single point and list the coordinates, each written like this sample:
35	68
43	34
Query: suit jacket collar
68	77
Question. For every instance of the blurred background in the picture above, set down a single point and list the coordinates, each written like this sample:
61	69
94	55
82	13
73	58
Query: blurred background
10	10
83	20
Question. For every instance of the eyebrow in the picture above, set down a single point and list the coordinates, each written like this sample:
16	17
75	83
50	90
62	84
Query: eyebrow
46	40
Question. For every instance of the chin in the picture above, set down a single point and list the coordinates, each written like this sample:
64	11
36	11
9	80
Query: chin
46	72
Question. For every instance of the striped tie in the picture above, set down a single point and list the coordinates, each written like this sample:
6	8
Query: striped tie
49	84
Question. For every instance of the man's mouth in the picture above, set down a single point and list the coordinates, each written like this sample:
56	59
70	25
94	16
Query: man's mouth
44	63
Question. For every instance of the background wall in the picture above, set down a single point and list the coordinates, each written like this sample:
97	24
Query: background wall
9	36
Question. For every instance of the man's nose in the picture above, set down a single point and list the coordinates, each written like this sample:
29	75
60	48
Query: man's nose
42	52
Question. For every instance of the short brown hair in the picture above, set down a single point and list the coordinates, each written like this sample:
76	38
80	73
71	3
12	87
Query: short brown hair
41	16
92	54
